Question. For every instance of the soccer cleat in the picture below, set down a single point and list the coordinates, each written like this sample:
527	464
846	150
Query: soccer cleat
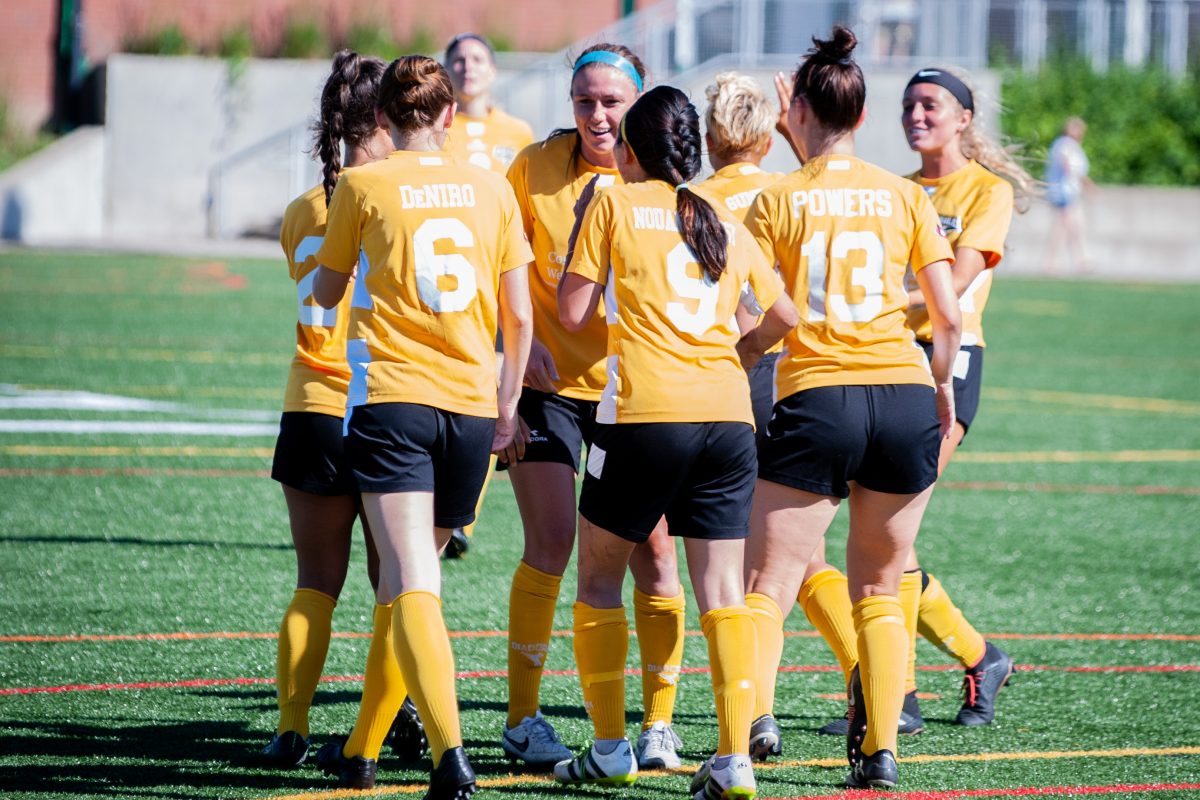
657	747
407	734
355	772
856	719
453	779
286	750
534	741
876	771
618	768
981	684
911	721
765	738
458	545
733	780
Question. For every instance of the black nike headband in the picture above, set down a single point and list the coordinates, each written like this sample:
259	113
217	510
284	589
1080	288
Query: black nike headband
948	82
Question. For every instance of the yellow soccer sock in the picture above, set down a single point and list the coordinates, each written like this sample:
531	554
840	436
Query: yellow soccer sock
383	691
882	653
943	625
825	599
469	530
601	647
732	644
531	604
303	645
427	663
910	598
768	627
659	625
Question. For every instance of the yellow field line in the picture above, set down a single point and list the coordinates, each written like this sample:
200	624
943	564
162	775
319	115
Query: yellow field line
1077	456
1103	401
688	769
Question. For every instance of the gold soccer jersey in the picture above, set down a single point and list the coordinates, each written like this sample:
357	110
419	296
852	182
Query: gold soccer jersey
975	206
671	332
735	186
548	179
842	232
491	142
435	236
319	374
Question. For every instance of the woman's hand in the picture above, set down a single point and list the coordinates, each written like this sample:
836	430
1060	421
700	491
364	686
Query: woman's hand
945	408
540	371
514	451
784	92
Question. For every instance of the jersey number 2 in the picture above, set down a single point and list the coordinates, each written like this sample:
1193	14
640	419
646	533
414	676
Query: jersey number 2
308	313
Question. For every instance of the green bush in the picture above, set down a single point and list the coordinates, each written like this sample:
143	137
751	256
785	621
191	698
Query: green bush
304	40
1143	124
167	41
373	40
236	44
15	144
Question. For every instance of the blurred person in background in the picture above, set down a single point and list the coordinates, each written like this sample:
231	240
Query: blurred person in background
442	263
554	180
1066	179
487	137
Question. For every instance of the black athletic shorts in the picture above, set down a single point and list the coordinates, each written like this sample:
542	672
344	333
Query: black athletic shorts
700	475
405	447
968	381
883	437
309	454
762	394
559	427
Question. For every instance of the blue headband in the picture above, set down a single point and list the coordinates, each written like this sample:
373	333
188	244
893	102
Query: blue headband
613	60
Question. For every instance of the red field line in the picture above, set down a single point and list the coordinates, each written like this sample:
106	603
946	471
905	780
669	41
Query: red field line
188	636
500	673
1016	791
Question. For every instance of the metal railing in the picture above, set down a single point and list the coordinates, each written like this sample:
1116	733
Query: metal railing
282	153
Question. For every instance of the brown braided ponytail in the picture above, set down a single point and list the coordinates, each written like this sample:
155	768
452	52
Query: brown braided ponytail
347	111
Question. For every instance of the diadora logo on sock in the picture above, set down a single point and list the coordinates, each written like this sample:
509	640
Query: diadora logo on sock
668	674
535	652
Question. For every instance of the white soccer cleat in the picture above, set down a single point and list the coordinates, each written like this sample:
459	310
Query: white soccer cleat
534	741
657	747
618	768
733	780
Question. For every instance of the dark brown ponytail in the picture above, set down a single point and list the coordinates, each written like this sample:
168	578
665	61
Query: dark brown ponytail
347	111
832	82
663	130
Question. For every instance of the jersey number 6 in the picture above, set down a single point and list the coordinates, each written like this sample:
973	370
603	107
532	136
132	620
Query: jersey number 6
432	266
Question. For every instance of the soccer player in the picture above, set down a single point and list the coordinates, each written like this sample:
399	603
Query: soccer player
972	182
481	134
443	257
486	137
861	412
554	180
319	490
737	135
674	430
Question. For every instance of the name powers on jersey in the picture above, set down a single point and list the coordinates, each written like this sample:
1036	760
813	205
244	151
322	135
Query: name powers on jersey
843	202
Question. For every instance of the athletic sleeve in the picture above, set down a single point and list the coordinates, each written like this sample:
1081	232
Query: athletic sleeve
593	248
929	241
986	225
343	231
518	178
758	222
517	252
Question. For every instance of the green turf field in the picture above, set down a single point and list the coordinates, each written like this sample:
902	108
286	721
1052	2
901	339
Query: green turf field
1067	527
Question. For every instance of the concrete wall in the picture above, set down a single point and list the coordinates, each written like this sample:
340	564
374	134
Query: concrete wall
58	193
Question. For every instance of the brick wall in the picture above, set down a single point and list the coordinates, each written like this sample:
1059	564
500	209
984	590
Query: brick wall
28	29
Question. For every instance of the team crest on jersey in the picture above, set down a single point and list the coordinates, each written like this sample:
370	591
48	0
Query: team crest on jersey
950	224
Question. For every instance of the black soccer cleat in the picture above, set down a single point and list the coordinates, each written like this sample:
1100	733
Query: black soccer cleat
286	750
406	737
766	739
911	721
876	771
981	684
458	545
453	779
355	772
856	719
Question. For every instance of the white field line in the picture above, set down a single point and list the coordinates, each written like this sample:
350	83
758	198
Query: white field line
237	429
